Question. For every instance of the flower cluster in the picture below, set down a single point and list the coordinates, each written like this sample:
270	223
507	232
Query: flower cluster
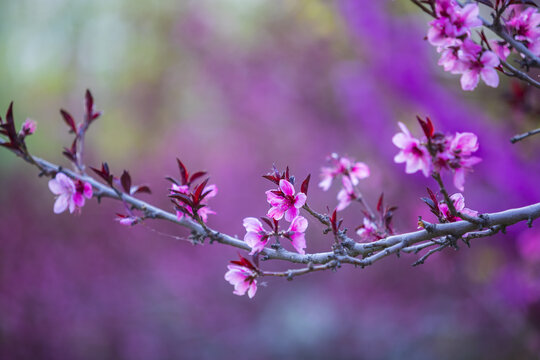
436	151
524	24
450	32
351	173
285	203
70	195
242	275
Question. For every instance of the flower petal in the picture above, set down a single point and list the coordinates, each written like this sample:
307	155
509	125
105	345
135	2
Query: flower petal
286	187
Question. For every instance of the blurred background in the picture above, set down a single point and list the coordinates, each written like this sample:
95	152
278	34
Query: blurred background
233	87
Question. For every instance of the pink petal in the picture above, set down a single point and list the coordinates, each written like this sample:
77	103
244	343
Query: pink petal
459	179
240	288
469	80
326	182
78	199
299	200
299	242
286	187
458	200
55	187
489	59
252	289
490	77
291	213
360	170
276	212
88	190
401	140
253	225
299	224
61	203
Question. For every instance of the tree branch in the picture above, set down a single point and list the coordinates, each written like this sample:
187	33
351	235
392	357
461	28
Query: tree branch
371	252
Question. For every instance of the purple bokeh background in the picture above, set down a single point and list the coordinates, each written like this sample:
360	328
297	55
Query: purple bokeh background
302	86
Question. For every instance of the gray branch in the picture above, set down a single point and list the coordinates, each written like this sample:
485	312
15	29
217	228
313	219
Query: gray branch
370	252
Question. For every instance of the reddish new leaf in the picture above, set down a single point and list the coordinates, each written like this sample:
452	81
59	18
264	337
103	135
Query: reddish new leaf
305	185
125	180
69	120
183	172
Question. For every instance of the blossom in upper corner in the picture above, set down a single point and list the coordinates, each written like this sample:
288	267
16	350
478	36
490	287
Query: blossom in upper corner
524	23
69	194
476	65
296	234
345	166
242	275
413	153
452	23
459	204
256	237
284	201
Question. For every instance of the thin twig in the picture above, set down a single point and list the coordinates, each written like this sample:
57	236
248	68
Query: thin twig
520	137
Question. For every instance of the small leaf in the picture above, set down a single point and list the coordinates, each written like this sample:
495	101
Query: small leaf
140	189
125	180
198	191
69	120
196	176
305	185
183	172
380	203
267	221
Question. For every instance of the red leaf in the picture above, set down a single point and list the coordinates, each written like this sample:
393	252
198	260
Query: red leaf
125	180
69	120
183	172
141	189
305	184
267	221
380	203
196	176
198	192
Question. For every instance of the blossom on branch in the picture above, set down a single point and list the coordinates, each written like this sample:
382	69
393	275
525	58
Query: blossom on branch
344	166
524	24
284	201
242	275
413	153
256	236
459	204
477	64
296	234
70	195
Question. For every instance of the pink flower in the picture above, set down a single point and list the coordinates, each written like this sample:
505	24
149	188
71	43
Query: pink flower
28	127
69	194
242	275
346	195
296	234
459	204
344	166
452	22
525	25
477	65
256	237
462	145
367	230
500	48
412	152
284	201
450	61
